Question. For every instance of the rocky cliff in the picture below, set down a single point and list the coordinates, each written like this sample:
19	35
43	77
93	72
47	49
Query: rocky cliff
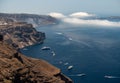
17	68
20	34
35	20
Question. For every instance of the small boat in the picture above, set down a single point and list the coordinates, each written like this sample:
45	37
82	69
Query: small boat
70	67
25	49
70	38
60	62
66	63
110	77
79	75
45	48
59	33
82	74
53	53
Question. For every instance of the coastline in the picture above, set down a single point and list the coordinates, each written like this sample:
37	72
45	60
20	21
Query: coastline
21	68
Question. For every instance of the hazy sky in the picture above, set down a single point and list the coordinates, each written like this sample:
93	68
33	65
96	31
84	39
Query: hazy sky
110	7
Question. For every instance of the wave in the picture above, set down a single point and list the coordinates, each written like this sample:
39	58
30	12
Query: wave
76	19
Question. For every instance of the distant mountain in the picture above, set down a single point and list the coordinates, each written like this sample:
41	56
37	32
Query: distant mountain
35	20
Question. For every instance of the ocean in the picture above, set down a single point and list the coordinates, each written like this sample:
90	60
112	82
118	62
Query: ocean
92	51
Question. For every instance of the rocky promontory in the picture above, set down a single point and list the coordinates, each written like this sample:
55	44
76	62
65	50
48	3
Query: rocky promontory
19	34
18	29
16	67
35	20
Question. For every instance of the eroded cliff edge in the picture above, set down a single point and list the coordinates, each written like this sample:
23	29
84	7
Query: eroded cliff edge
35	20
21	34
17	68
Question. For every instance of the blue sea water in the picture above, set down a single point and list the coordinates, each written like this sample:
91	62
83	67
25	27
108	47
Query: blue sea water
94	51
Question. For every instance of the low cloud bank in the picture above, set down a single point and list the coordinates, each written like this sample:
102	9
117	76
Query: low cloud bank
57	15
77	19
81	15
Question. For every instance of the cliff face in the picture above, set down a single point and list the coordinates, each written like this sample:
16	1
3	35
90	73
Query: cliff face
17	68
20	34
35	20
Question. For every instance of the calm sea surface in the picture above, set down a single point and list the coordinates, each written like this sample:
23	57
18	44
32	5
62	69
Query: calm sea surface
93	51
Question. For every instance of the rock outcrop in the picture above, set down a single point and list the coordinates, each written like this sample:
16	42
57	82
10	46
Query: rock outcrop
35	20
17	68
21	34
14	66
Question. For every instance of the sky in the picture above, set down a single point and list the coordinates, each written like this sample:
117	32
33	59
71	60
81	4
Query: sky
105	7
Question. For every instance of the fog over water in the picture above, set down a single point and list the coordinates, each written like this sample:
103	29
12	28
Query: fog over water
78	18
